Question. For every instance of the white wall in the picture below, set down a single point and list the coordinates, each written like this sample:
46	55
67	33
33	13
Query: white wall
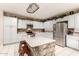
1	28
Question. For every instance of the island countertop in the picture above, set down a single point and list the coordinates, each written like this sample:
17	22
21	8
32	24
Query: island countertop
37	41
42	44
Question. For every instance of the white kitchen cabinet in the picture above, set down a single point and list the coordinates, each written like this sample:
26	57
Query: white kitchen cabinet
71	21
59	20
62	19
65	18
48	25
21	23
29	22
10	30
37	25
77	22
41	25
73	42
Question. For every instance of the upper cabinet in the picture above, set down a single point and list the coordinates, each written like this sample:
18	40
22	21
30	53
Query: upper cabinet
23	23
10	21
38	25
71	21
62	19
48	25
77	22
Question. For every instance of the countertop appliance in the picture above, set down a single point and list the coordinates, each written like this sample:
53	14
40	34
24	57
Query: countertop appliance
60	32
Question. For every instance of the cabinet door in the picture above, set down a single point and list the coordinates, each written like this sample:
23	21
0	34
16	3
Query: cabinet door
41	25
77	22
10	30
13	34
78	44
37	25
72	42
71	22
48	25
21	23
7	35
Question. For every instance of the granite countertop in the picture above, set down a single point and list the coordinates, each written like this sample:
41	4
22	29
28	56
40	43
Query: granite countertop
37	41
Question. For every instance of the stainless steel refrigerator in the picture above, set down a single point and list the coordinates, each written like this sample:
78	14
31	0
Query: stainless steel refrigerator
59	33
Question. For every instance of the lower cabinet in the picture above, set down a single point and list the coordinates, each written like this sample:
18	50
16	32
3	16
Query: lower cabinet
73	42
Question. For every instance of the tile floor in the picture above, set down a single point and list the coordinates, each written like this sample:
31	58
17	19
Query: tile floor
65	51
9	50
12	50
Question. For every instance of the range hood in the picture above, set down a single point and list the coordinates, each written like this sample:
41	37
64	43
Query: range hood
30	30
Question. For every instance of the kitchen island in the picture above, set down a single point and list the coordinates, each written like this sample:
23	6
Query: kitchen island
41	46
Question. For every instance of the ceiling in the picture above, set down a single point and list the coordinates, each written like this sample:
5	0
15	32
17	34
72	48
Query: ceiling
45	10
